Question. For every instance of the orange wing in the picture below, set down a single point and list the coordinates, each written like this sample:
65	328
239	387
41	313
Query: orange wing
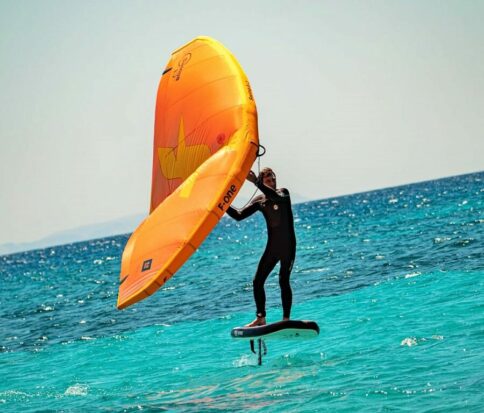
205	142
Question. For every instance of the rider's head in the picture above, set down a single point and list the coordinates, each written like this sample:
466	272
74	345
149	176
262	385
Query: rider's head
268	177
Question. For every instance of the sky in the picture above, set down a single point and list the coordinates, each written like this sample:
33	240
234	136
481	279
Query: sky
351	95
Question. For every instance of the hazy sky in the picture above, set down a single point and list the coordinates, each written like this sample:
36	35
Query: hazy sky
352	96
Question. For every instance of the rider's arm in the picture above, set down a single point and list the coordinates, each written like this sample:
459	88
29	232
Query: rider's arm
271	193
240	214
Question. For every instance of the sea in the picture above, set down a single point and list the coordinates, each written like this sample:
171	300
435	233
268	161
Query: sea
393	277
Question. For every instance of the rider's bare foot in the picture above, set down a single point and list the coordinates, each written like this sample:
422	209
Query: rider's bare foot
285	318
259	321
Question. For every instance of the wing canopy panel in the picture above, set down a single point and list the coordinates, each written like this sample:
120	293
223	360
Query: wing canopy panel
205	143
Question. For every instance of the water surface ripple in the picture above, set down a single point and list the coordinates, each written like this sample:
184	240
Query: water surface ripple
394	278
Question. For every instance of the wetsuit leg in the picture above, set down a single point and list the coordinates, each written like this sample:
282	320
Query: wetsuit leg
266	265
286	293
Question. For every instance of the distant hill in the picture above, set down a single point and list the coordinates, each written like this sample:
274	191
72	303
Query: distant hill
118	226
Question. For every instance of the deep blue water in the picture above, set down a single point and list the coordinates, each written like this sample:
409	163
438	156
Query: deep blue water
393	277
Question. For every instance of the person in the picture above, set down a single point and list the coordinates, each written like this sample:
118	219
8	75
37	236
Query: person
275	205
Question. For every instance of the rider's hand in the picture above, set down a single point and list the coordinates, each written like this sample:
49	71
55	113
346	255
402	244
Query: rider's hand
252	177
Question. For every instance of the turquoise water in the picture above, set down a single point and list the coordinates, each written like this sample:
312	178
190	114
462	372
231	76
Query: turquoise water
393	277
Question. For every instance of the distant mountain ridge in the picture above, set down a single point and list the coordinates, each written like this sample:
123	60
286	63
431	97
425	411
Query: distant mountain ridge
115	227
118	226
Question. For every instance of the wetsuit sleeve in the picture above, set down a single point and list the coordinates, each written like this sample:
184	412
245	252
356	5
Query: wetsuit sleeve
272	194
240	214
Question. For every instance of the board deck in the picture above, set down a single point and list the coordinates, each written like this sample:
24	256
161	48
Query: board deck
282	330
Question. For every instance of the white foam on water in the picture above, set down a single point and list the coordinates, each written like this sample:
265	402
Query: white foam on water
76	390
243	361
409	341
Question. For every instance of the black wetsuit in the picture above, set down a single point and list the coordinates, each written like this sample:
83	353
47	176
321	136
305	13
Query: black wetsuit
275	205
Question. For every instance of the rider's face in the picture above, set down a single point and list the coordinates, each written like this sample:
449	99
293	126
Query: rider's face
270	180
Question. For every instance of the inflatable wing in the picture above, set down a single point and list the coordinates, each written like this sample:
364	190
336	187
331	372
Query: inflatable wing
205	143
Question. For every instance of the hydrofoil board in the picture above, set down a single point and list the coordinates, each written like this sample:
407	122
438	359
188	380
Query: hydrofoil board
283	330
